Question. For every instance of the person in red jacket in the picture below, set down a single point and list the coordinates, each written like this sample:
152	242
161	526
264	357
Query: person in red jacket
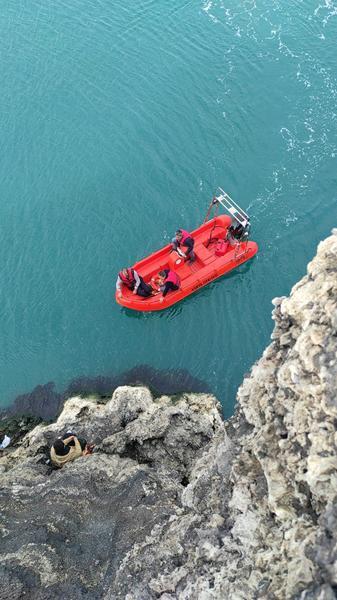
134	282
169	282
183	243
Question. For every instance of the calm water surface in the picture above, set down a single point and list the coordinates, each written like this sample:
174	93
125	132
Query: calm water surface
118	121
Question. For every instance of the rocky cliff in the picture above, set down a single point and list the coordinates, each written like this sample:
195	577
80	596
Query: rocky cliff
176	503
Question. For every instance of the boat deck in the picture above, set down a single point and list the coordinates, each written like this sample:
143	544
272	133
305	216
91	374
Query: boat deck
206	267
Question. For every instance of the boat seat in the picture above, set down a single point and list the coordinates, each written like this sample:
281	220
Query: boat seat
183	272
148	271
203	253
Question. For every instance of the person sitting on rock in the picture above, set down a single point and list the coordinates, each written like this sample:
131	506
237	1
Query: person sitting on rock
68	448
183	243
133	281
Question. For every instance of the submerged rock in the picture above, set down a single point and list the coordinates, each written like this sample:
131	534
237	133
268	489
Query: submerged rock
45	402
176	503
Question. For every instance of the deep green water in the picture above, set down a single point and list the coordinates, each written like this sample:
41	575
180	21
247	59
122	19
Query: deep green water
118	121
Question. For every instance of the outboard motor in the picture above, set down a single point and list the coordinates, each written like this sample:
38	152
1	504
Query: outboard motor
239	230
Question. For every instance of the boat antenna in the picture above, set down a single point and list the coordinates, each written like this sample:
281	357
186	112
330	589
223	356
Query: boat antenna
213	203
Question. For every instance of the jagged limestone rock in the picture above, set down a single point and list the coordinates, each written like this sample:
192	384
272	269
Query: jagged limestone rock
177	504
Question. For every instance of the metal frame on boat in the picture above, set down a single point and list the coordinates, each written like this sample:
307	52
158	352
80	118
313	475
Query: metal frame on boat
232	207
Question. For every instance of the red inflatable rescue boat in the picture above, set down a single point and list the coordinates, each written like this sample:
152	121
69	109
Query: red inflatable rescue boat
220	245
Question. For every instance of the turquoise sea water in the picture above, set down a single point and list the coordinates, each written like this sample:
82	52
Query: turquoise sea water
118	121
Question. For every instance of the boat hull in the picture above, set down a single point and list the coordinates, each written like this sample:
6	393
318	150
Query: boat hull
207	267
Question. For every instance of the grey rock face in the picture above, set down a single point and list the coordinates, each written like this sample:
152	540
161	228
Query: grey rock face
70	532
177	504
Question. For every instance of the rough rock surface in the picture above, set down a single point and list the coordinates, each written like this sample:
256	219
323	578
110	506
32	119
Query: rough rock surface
175	503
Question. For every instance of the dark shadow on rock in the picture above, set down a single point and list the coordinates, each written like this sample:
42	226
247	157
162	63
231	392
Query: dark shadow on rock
45	402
